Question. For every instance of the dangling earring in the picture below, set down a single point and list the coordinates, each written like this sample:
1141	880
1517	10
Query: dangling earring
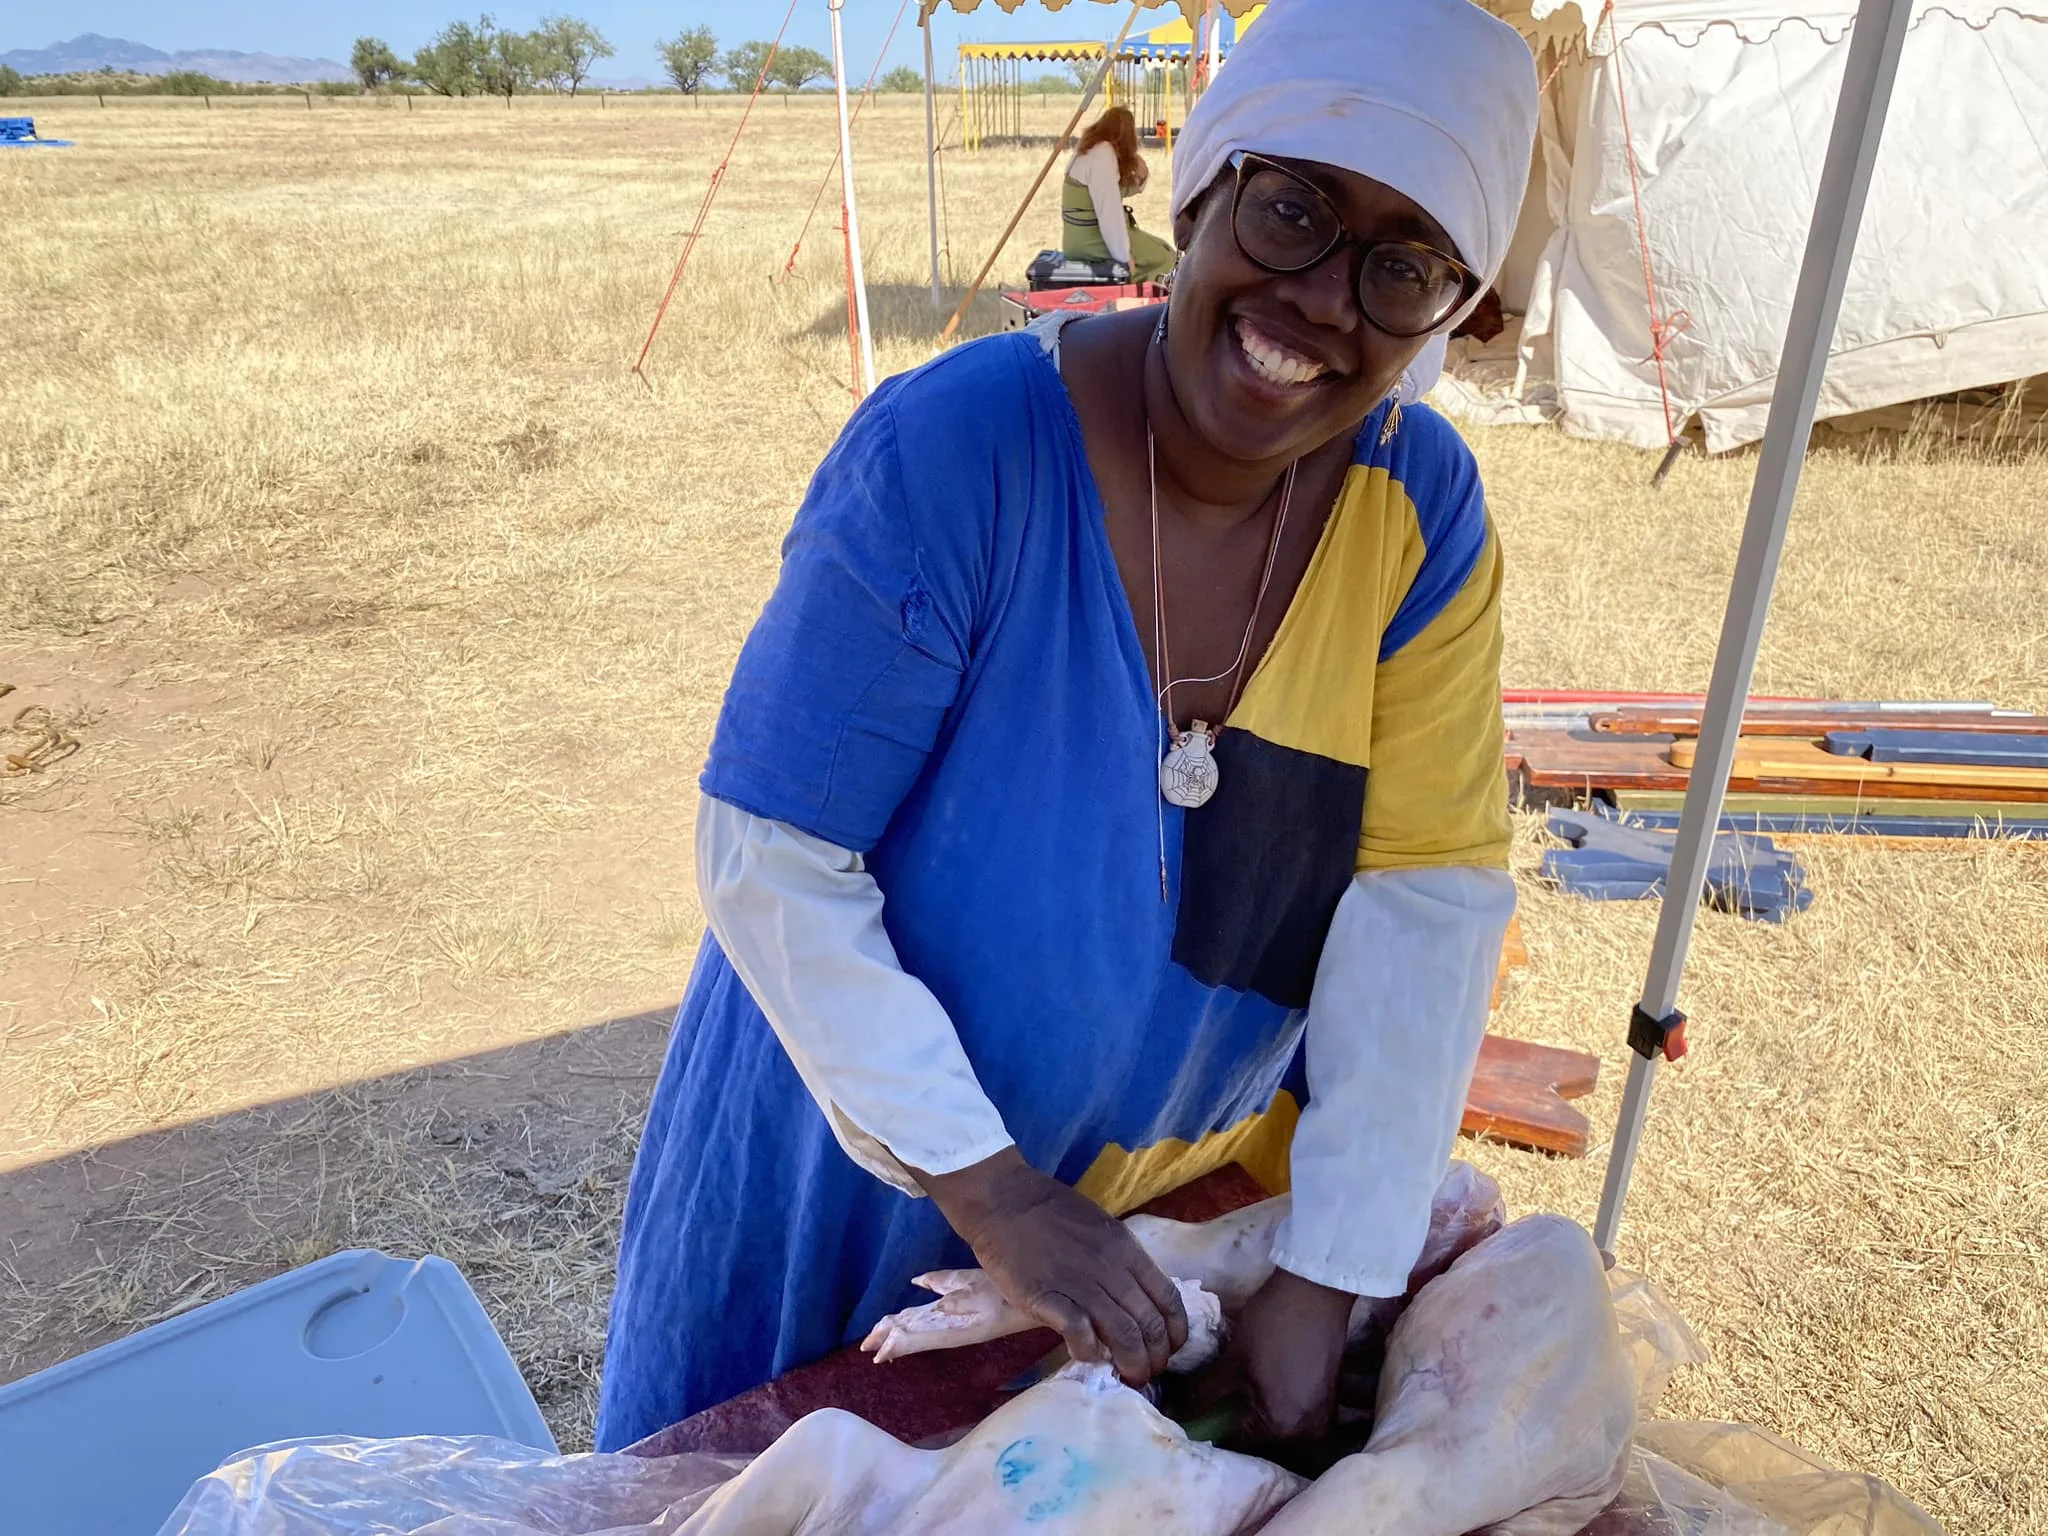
1393	423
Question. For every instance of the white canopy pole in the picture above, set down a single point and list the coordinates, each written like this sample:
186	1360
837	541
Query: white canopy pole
857	277
931	154
1867	77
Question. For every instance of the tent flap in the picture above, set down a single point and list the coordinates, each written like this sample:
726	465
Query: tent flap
1947	290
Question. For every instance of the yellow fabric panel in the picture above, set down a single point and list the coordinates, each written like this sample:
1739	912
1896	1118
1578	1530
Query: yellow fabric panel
1438	793
1120	1181
1313	689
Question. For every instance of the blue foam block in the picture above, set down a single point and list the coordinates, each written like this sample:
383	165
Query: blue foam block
1962	749
1612	861
357	1344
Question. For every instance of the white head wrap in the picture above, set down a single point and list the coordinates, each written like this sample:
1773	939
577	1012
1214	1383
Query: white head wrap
1434	98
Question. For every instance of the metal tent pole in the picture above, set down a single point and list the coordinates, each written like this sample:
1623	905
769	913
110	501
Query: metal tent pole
931	154
856	276
1867	77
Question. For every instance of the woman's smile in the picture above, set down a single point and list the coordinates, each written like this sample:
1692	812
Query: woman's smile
1272	362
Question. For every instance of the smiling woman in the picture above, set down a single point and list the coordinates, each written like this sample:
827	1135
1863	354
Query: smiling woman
1118	760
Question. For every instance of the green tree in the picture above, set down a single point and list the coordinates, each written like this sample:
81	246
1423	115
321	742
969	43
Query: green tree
795	68
374	63
690	58
565	48
509	61
189	82
902	78
10	80
743	63
452	64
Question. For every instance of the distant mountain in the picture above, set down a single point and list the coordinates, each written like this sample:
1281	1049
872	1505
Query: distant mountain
89	52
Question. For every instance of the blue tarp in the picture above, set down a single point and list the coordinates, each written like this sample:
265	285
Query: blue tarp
20	133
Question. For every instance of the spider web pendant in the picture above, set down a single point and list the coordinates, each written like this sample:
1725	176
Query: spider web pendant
1188	776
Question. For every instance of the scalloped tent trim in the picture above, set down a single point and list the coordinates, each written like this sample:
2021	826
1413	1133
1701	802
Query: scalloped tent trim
1755	21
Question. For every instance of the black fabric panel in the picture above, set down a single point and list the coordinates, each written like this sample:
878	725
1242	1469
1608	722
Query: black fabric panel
1263	865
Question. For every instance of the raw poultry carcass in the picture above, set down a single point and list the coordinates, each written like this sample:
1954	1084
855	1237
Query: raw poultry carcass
1080	1453
1506	1402
1505	1405
1229	1258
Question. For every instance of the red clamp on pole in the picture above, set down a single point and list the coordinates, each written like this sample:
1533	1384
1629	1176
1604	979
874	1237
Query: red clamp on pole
1650	1038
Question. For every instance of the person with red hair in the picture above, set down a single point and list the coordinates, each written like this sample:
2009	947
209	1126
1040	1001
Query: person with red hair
1094	223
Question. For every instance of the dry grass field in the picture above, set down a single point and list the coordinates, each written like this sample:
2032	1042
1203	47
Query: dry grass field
390	615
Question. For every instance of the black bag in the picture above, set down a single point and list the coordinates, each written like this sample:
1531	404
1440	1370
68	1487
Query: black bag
1056	269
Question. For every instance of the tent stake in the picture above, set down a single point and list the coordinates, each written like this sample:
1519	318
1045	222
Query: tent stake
1058	148
1872	65
1664	464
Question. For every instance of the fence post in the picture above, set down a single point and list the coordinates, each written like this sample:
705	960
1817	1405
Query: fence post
309	101
208	100
103	99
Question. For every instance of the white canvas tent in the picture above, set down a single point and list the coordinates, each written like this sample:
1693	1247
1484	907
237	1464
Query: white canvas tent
1711	117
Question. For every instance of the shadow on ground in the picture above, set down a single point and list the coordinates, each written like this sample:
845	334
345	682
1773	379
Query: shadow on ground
905	312
511	1163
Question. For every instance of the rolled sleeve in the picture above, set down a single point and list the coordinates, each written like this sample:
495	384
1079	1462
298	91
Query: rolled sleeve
1394	1025
801	921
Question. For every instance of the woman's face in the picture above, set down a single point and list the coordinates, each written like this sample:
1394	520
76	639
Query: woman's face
1269	366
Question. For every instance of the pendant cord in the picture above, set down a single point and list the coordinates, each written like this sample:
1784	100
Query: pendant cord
1162	716
1235	671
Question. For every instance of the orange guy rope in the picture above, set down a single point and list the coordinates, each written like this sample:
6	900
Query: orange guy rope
1662	331
866	92
710	192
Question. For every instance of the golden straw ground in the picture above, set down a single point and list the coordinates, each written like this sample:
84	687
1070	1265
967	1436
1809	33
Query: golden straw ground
392	615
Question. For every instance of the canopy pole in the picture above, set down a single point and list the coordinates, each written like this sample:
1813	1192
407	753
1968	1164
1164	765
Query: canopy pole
856	276
1867	77
1059	146
931	154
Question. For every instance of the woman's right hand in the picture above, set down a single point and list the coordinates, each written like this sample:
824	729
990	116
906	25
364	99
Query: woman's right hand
1059	1257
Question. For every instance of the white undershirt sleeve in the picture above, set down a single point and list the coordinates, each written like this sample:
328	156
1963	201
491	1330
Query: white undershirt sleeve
1395	1019
1097	171
801	921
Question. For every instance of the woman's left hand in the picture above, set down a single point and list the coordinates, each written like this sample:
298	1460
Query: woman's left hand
1284	1351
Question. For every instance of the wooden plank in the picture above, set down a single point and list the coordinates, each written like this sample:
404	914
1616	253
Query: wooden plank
1514	952
1520	1095
1587	761
1684	720
1584	761
1514	956
1776	757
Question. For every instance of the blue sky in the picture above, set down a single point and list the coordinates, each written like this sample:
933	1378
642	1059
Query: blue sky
316	29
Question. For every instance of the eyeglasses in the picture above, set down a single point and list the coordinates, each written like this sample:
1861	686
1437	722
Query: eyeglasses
1286	224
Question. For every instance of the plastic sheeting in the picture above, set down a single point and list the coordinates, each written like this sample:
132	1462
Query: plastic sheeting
1729	110
1685	1479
